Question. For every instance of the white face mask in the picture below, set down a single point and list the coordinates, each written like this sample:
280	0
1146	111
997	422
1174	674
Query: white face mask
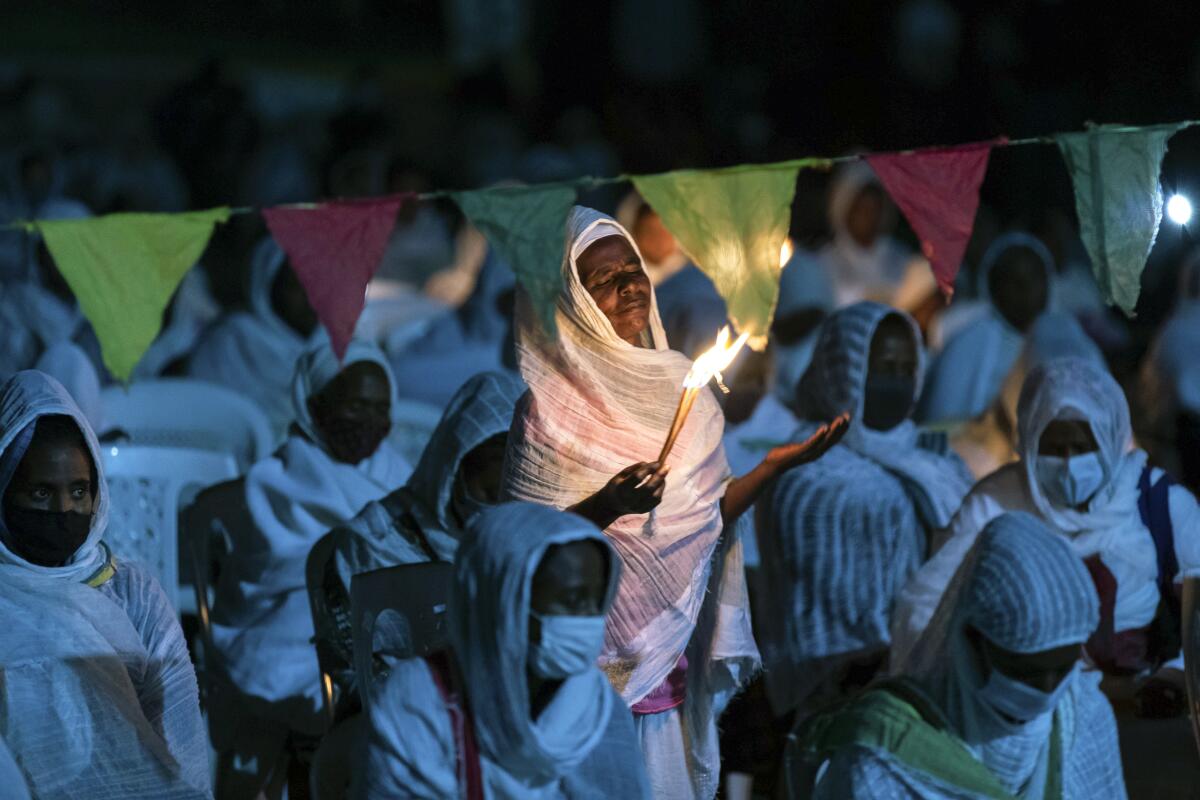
1019	701
1070	482
569	645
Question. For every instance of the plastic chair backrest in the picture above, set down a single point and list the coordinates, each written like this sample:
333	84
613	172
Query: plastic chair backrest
415	596
179	412
314	581
413	424
147	487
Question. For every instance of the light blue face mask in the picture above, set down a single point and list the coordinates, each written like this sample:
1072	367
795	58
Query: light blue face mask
1019	701
1070	482
569	645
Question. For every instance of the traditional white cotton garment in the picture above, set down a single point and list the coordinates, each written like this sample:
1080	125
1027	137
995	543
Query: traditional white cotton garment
596	405
581	745
11	776
449	348
970	371
99	694
1110	526
840	536
262	624
1169	383
419	522
193	309
69	365
254	352
857	272
1025	591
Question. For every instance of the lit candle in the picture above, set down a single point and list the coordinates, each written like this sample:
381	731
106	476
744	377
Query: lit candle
707	366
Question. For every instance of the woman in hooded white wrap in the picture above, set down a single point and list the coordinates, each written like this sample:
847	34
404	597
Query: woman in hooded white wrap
518	708
840	537
336	459
457	477
254	352
602	394
995	703
863	261
99	696
1091	498
1016	277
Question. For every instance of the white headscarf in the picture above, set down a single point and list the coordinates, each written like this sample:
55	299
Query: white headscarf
1023	589
597	405
836	382
858	272
69	365
24	398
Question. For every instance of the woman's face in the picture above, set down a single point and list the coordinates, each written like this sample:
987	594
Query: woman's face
482	469
1067	438
570	582
1043	671
53	476
612	274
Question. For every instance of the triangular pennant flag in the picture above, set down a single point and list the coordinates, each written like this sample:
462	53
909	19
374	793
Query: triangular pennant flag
1119	202
938	192
732	223
527	226
335	248
123	269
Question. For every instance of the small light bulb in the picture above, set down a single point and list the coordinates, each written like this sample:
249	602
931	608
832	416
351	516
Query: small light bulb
1179	209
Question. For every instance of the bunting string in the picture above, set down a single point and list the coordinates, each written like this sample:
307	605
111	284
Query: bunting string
730	221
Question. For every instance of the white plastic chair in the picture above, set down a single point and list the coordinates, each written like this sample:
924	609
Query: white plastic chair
413	424
147	488
179	412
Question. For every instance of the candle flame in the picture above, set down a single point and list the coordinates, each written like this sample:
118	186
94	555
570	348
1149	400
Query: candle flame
712	361
785	252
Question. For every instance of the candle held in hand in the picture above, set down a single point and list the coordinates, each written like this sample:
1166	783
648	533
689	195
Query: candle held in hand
707	366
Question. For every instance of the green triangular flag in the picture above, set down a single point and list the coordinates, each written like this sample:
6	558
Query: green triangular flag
1115	172
732	223
123	269
527	226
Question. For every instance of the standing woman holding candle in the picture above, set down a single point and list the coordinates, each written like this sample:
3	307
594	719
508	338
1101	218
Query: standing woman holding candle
604	390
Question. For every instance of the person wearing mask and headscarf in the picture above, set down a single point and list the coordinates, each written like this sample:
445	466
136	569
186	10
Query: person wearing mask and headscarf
336	459
863	261
603	393
989	441
995	702
516	708
41	310
100	697
840	537
449	348
1137	531
254	352
457	477
1016	274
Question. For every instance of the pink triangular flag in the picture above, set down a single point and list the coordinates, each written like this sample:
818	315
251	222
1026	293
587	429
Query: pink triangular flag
335	248
938	191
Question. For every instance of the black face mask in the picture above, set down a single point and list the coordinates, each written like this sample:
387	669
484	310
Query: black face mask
887	401
46	538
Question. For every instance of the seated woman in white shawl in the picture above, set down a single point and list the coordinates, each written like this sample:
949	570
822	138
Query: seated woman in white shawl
1137	531
516	708
337	458
995	702
255	351
1016	274
41	310
100	698
457	477
602	394
840	537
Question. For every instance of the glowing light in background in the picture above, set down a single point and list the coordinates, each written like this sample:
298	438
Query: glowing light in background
785	252
1179	209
